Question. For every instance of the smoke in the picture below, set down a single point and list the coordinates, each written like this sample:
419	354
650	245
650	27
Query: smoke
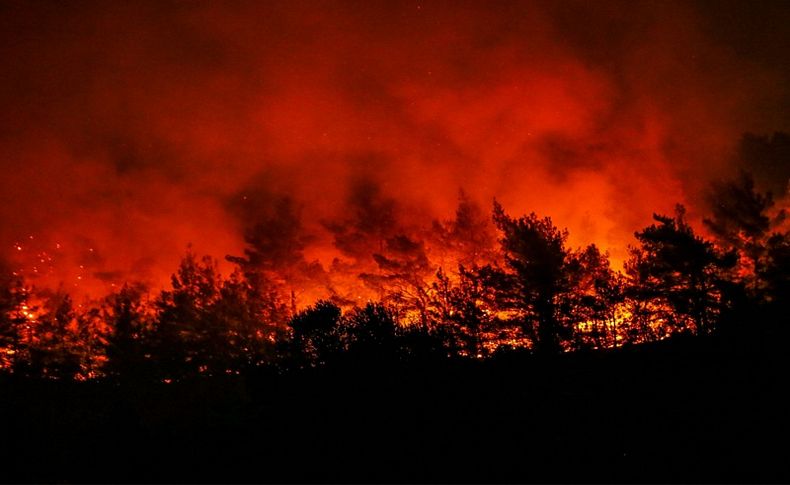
131	130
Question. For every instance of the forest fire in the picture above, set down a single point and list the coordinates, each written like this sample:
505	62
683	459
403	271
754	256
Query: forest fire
331	241
327	180
472	287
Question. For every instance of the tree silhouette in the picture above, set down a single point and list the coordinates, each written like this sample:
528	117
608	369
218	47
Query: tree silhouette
592	302
252	320
129	339
317	336
371	333
13	318
369	219
740	221
468	240
204	325
775	271
460	300
401	280
533	292
90	341
188	340
535	258
466	307
679	275
274	258
53	349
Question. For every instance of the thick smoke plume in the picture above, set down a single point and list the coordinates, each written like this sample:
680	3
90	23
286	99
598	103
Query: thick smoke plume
132	129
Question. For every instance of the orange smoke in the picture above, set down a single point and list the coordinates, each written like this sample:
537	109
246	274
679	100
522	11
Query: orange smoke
133	130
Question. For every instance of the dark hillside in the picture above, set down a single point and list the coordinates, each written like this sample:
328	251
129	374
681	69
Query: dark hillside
685	410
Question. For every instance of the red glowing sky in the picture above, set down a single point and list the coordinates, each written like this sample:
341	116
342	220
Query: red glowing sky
130	130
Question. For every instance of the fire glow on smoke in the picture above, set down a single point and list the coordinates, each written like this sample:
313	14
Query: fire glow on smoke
133	130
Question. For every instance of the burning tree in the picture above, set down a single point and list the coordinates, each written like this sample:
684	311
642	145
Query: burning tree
274	259
54	344
468	240
465	308
370	219
403	268
13	318
596	293
533	291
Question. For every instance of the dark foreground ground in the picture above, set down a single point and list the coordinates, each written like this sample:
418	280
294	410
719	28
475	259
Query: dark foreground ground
688	410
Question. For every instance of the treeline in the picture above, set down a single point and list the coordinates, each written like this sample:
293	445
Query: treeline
482	286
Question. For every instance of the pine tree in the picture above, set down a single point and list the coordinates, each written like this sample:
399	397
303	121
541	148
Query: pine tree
679	275
534	280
